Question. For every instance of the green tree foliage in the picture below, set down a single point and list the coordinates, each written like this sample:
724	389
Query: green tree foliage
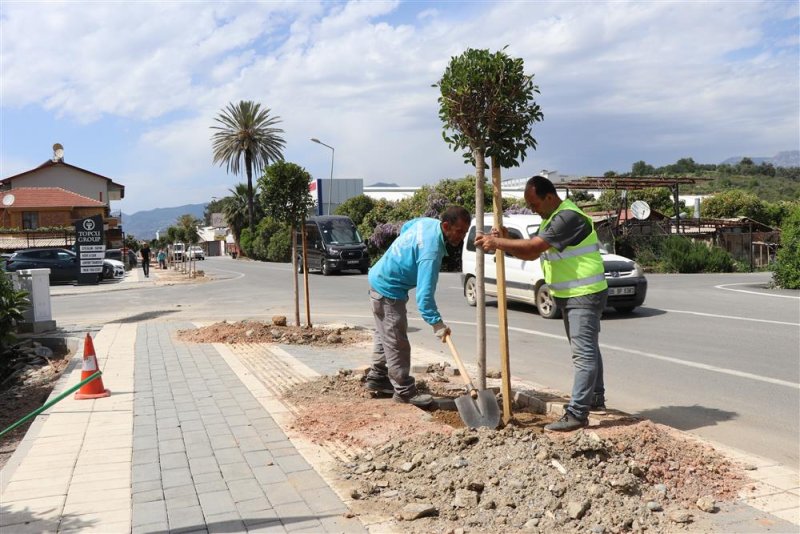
235	210
272	241
246	132
356	208
580	197
682	255
640	168
13	304
284	192
487	107
787	266
734	203
131	242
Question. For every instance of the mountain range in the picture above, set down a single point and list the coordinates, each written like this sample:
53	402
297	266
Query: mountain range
787	158
145	224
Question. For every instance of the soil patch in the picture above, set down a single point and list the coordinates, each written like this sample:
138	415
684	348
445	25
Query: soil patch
168	277
420	468
274	332
27	382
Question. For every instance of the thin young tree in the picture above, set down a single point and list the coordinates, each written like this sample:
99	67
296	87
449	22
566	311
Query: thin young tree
285	197
487	106
246	134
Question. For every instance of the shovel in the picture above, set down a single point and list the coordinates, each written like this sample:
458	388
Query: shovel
476	408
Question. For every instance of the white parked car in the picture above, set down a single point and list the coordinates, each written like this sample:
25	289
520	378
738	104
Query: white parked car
627	285
196	253
113	269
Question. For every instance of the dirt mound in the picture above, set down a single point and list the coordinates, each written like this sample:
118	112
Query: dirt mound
266	332
628	476
30	373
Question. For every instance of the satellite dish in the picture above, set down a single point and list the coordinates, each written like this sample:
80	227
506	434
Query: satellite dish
8	199
58	152
640	210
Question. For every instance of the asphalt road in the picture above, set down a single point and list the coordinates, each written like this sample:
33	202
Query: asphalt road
717	355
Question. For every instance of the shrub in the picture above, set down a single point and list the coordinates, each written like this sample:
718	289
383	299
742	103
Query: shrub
356	208
682	255
246	242
786	273
12	305
273	241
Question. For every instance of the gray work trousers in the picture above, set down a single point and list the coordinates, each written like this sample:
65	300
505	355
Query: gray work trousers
391	350
582	325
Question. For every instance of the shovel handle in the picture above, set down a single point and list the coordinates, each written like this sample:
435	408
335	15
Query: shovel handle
462	370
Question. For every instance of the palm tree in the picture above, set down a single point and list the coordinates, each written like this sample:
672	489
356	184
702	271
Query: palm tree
235	210
245	130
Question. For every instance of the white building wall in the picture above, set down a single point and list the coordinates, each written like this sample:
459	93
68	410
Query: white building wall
67	178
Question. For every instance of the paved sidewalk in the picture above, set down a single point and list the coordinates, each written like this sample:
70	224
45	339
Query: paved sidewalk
195	451
192	440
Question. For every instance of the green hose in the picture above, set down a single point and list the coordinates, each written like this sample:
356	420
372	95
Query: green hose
49	404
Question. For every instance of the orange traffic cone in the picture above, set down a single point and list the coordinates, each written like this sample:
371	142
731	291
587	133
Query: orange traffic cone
93	389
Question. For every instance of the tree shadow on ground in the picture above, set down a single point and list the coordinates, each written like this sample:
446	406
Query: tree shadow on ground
236	525
19	519
687	417
144	316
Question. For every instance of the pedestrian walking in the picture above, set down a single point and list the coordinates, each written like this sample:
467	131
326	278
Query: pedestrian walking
144	252
161	257
573	269
412	261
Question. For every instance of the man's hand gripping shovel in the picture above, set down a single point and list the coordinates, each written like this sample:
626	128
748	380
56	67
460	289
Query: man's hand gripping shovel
476	408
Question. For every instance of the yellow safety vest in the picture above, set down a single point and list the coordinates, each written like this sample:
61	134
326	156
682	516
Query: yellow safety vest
578	270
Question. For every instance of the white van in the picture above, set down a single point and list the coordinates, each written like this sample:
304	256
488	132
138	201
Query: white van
525	279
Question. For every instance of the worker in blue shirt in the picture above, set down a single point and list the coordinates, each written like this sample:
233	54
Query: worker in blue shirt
412	261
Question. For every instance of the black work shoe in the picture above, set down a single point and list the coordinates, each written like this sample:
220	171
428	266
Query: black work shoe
420	400
598	405
381	385
567	423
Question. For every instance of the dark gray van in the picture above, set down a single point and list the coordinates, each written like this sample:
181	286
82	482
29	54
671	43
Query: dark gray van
333	244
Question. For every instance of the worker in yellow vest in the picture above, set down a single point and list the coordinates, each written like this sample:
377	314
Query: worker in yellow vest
573	269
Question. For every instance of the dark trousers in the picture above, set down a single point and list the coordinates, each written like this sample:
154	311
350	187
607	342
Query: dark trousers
146	267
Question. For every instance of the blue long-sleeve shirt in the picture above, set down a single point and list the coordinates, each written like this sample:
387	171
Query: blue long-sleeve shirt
413	260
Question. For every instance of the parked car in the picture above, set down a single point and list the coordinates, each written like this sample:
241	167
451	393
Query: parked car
334	244
116	254
196	253
112	270
627	285
177	249
63	264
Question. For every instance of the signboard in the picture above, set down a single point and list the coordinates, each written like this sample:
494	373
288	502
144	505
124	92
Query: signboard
315	190
90	246
217	220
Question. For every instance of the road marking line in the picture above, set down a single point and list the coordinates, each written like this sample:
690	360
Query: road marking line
678	361
733	317
726	288
686	363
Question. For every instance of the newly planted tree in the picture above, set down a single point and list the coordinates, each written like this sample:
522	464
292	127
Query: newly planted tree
488	109
285	198
246	134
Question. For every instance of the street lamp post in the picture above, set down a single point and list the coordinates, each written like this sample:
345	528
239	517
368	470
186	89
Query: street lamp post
333	153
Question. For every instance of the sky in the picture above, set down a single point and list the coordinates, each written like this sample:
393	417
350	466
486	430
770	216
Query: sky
131	89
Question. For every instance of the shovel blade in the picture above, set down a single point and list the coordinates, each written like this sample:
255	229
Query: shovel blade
483	411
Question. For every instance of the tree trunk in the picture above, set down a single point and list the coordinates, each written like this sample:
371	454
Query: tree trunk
502	317
305	275
480	287
248	162
294	277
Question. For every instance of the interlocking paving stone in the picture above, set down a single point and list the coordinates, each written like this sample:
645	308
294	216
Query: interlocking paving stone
207	456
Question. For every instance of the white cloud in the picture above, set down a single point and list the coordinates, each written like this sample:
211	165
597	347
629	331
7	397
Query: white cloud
622	80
